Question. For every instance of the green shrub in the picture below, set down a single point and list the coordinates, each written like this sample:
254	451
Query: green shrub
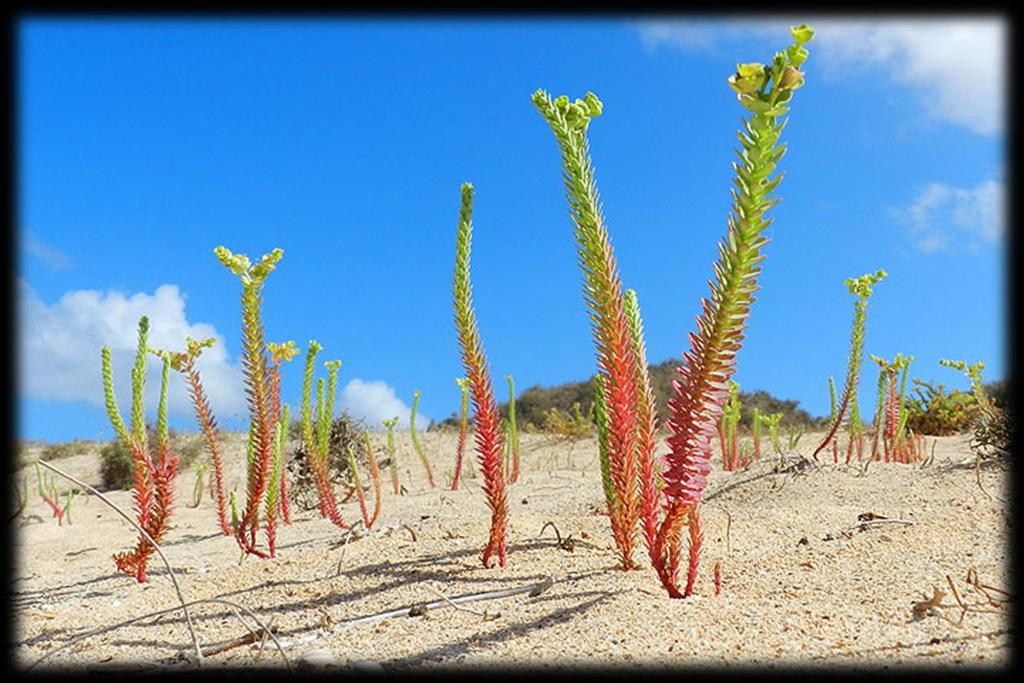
993	433
116	466
934	412
65	450
560	426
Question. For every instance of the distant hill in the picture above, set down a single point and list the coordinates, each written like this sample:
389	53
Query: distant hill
533	402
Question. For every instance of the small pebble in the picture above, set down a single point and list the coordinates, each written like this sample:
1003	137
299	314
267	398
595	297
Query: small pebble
366	665
318	658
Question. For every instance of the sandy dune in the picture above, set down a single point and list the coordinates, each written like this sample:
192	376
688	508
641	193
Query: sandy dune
802	583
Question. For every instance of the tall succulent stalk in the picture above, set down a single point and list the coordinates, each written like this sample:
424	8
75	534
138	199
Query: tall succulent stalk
603	293
417	446
255	372
771	421
729	427
878	424
279	353
890	411
755	420
512	463
316	430
152	493
861	288
374	479
702	385
460	449
389	426
275	487
647	426
601	421
185	363
904	411
485	409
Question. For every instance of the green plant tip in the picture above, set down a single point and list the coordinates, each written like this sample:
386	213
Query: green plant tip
861	286
801	34
749	78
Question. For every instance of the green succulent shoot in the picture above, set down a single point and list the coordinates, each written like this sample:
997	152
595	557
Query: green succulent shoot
307	387
765	89
772	422
416	444
861	287
973	373
389	426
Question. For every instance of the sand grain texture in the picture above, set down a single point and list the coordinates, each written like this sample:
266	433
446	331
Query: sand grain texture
802	583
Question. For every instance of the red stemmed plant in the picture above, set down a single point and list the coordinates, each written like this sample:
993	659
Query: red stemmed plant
152	492
702	386
623	432
256	374
489	445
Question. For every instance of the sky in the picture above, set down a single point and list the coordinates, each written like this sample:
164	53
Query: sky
143	144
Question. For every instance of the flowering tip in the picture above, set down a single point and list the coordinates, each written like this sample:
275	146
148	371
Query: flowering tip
792	78
801	34
749	78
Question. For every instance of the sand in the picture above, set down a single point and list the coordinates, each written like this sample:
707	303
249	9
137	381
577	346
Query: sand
802	583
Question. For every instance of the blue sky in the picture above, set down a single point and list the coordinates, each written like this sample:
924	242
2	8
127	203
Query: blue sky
144	144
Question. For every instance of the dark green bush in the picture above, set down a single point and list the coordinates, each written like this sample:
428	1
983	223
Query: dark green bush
116	466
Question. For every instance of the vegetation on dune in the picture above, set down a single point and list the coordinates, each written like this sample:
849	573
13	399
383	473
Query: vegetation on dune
653	485
417	446
260	393
511	434
460	447
67	449
700	390
318	433
604	296
389	426
861	287
153	465
994	428
533	405
185	363
485	410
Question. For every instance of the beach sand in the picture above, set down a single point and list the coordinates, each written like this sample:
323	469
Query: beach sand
802	583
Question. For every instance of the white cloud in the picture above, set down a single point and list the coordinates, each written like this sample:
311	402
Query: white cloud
55	259
942	217
956	66
373	402
59	349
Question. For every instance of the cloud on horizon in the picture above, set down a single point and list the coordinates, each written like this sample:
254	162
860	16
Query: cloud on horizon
945	218
956	67
59	349
375	401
